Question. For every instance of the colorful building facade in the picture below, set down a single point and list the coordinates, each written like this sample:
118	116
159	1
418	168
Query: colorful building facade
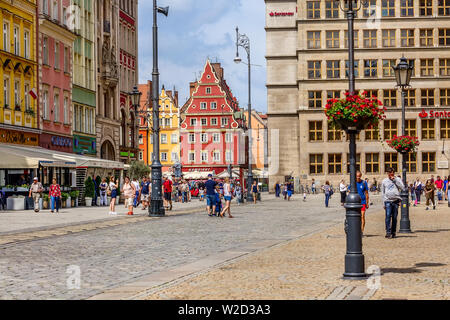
212	125
84	81
18	73
55	76
144	126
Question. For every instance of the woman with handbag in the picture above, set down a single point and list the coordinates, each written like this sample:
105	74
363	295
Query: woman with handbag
129	192
103	186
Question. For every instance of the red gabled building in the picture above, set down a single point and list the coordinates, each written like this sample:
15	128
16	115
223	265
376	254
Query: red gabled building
212	125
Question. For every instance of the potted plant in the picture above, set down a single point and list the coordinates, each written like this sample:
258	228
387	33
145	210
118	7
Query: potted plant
23	188
15	203
45	201
68	200
89	192
73	196
63	199
404	144
29	112
9	188
355	111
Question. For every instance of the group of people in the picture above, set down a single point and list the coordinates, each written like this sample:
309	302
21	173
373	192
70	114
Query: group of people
431	189
286	189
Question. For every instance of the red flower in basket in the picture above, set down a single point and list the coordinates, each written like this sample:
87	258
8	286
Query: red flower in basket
404	144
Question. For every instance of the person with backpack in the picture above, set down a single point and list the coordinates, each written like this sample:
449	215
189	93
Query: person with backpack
390	192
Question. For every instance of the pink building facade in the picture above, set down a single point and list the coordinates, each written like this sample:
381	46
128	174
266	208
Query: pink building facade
55	75
212	125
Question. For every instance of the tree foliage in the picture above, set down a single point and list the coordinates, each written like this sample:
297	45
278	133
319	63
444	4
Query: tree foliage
138	169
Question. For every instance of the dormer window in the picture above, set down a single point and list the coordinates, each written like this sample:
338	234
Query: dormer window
208	90
203	105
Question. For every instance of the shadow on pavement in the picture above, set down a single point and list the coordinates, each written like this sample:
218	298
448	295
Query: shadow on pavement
413	269
432	231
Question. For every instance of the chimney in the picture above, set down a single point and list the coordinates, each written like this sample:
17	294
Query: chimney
169	94
218	69
192	88
176	98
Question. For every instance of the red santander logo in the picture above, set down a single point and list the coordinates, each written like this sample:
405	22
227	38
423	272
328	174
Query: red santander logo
434	114
423	114
277	14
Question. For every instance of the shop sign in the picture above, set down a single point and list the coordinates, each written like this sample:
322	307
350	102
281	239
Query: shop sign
16	137
84	145
125	154
278	14
438	114
61	141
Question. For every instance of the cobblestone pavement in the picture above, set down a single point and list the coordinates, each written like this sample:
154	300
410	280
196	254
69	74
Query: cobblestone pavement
114	256
413	266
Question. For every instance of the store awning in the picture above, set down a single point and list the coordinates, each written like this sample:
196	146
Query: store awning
27	157
224	174
197	174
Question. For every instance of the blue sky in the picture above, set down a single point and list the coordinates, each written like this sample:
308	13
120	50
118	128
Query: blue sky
198	29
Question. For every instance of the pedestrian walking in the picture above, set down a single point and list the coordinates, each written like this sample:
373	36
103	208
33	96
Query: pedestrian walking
144	192
285	191
218	202
439	186
35	191
289	190
429	194
445	188
129	192
137	192
277	189
343	190
412	192
447	192
210	186
112	189
94	200
304	196
418	188
103	188
327	190
363	191
313	186
390	191
55	196
167	187
238	193
255	191
3	199
227	196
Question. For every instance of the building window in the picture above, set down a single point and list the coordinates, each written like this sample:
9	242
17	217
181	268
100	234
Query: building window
315	163
315	131
355	39
369	8
331	9
390	98
370	38
388	8
428	161
332	39
193	122
372	93
428	129
427	67
313	9
334	163
411	128
372	162
191	156
167	122
426	7
6	45
407	8
390	129
335	94
445	129
174	138
444	67
410	98
213	105
356	68
16	41
216	156
387	67
391	161
411	162
26	44
66	59
388	38
27	96
314	71
204	121
216	137
358	162
371	134
208	90
17	94
191	137
427	97
56	55
224	122
370	68
56	107
228	156
313	40
163	138
204	156
444	7
204	137
174	156
45	51
55	10
333	69
45	104
228	137
334	134
426	37
203	105
315	99
164	156
444	37
214	121
407	37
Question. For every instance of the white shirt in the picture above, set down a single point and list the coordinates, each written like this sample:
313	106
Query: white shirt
342	187
136	185
227	190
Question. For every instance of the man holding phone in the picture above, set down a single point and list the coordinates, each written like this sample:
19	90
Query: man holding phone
390	191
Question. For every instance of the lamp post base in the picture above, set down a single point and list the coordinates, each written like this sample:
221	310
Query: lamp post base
405	223
156	208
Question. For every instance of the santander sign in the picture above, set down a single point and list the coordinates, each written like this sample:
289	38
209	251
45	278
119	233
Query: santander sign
434	114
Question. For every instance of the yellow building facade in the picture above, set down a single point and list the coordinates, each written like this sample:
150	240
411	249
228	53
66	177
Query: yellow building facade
18	69
169	121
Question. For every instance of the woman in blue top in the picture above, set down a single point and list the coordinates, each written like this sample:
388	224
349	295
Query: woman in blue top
255	191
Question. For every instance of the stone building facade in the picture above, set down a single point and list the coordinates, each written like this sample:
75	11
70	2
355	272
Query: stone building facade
307	64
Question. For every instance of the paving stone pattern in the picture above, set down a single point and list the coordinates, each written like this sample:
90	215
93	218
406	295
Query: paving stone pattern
110	257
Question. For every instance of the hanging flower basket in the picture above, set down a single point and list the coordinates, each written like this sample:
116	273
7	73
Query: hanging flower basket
357	111
404	144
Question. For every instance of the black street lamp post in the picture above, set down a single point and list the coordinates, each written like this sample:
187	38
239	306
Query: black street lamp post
243	41
403	72
354	258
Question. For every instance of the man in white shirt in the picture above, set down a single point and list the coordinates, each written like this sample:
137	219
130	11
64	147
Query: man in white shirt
136	198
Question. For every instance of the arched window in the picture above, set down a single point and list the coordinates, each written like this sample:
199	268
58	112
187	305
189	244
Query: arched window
107	151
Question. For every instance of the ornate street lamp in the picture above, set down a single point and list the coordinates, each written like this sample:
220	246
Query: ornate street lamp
354	258
243	41
403	73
